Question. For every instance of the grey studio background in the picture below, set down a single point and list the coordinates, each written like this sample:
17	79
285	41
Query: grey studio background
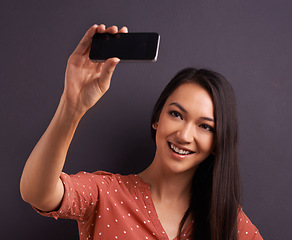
249	42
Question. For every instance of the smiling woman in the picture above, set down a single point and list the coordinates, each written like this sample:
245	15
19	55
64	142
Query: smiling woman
190	190
202	129
183	131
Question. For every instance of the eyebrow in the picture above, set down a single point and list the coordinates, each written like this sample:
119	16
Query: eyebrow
181	108
208	119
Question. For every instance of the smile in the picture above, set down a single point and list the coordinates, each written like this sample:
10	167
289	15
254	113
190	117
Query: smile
178	150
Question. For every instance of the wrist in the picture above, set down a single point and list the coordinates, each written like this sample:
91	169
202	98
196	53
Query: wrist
70	110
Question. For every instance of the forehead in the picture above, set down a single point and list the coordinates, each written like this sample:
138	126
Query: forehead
192	97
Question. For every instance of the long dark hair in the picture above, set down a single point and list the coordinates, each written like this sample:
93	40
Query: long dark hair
215	193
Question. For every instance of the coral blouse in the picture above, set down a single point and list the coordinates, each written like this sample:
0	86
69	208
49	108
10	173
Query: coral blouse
112	206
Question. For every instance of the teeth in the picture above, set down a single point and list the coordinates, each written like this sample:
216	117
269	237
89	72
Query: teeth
179	151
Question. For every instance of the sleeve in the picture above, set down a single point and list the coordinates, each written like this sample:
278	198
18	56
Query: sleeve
246	230
80	197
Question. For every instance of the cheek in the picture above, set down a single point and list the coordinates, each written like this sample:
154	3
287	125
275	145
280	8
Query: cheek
166	127
207	143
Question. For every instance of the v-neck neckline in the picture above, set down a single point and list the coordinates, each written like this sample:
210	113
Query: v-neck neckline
153	213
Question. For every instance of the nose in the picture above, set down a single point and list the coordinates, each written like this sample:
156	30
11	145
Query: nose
186	133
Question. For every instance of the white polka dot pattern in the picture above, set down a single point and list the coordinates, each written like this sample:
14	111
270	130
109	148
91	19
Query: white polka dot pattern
111	206
246	230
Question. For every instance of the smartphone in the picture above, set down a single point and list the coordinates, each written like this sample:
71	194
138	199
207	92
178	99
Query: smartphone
125	46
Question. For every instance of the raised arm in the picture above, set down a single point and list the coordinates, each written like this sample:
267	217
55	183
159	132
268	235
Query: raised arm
85	84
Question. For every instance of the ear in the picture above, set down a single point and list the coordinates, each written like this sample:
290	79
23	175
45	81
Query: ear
213	151
155	125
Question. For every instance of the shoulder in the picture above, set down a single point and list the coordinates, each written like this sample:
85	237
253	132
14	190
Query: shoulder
246	229
82	175
100	178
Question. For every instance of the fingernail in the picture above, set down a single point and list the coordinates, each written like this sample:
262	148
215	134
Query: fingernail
116	60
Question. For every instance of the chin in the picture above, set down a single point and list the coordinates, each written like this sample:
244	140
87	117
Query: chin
178	168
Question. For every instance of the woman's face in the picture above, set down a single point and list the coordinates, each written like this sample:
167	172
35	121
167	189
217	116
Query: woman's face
186	129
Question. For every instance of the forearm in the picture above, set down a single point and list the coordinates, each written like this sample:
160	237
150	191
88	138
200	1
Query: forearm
40	184
85	84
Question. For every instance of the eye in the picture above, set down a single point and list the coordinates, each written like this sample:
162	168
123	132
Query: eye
207	127
175	114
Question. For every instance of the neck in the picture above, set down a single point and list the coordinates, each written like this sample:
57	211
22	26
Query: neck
168	187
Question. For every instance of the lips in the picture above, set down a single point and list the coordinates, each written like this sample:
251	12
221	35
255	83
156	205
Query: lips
178	150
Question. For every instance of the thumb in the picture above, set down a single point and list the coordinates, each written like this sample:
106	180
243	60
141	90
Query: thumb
107	72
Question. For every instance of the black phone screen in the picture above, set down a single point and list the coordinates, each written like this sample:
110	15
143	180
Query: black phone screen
125	46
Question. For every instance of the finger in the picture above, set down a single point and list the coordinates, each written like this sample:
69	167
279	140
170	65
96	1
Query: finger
107	72
112	30
123	30
101	28
86	40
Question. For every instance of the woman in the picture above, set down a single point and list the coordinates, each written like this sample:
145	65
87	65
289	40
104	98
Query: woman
191	189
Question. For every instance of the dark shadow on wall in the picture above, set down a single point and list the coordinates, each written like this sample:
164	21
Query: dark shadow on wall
134	155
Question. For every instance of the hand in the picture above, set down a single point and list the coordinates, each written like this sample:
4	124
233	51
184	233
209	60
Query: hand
86	81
